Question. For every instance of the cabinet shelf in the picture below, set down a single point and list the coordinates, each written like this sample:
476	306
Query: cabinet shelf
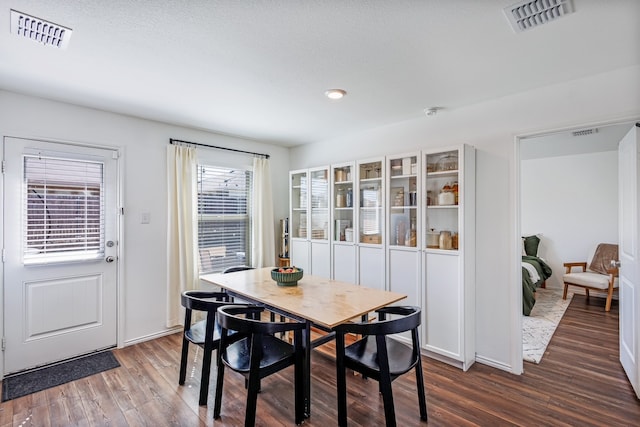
441	251
404	207
442	206
449	173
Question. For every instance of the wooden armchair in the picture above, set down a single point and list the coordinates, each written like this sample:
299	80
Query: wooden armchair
596	273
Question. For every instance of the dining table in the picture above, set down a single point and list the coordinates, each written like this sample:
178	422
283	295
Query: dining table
317	301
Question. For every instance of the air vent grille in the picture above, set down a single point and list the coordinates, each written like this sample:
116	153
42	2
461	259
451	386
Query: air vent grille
585	132
39	30
529	14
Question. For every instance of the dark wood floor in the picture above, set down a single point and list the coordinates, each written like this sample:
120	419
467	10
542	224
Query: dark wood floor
578	383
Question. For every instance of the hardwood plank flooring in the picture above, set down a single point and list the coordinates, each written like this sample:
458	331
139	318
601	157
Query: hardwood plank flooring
578	383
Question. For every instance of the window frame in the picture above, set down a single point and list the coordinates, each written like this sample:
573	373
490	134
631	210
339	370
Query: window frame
205	259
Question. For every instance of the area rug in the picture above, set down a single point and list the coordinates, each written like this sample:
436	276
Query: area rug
22	384
539	326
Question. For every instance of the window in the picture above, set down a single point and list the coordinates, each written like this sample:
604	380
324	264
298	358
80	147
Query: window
63	210
224	224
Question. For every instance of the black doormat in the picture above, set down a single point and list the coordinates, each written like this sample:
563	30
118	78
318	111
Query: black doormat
21	384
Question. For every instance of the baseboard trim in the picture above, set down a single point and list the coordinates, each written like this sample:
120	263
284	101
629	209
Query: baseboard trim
149	337
495	364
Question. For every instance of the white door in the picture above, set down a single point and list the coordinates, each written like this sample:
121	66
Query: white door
629	280
60	251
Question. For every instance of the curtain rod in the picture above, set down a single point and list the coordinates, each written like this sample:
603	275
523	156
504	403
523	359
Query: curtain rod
173	141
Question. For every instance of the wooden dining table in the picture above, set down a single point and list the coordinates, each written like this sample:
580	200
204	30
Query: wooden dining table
316	301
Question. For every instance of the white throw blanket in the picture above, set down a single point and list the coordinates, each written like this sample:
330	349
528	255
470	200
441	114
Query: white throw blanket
533	273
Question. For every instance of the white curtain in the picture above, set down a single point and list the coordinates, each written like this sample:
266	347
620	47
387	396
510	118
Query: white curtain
263	251
182	228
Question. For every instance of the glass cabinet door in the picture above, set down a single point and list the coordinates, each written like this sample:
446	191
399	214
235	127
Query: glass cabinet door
442	190
403	200
299	205
343	203
319	192
371	213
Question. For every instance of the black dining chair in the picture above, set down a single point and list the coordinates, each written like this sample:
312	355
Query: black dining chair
258	355
376	355
204	333
236	268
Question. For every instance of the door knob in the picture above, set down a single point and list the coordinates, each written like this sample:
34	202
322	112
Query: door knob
615	263
110	259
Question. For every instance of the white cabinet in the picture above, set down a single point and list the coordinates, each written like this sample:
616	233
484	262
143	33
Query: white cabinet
309	220
403	223
370	221
343	245
449	254
298	219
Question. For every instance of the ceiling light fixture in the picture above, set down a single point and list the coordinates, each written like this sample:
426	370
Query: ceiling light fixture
335	93
432	111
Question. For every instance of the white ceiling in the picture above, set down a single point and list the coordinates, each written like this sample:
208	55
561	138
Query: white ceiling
603	138
258	68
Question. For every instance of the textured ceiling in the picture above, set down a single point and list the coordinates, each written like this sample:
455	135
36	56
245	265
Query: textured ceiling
258	69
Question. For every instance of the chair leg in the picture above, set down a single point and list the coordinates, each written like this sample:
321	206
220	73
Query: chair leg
607	307
341	381
185	347
219	382
387	399
422	401
564	294
586	290
183	360
204	379
252	400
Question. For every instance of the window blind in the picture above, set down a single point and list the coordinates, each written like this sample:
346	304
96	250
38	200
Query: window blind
224	204
63	212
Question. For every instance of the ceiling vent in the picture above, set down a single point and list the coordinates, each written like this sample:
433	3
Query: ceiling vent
585	132
39	30
526	15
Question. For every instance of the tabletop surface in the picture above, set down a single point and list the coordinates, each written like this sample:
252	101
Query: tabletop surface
323	301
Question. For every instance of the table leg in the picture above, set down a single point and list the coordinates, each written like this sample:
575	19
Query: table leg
307	368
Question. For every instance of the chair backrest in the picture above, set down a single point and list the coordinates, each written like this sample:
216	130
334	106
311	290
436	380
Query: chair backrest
237	268
592	252
204	300
609	250
245	319
410	319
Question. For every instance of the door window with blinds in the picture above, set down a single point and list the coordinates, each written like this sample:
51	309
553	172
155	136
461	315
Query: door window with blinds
63	210
224	225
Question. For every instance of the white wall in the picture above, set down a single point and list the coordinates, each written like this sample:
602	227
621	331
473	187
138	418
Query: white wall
573	202
143	143
492	127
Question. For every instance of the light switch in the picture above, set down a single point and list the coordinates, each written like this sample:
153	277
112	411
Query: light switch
145	218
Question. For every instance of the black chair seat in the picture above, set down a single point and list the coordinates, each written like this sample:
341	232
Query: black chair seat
362	356
276	355
197	333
